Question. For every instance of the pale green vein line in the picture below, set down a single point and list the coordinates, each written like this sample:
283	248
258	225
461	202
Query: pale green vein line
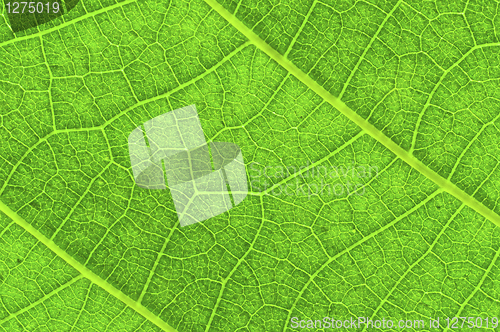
265	107
109	230
68	23
443	183
178	88
408	270
6	228
111	120
224	282
438	84
368	47
80	199
471	295
306	19
47	296
354	245
319	162
472	141
157	261
84	304
85	272
51	79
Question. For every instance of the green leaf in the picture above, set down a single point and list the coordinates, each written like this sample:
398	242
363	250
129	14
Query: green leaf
398	98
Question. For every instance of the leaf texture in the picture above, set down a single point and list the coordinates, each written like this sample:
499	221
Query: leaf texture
408	89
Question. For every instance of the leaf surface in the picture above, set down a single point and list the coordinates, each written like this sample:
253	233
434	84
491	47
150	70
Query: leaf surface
407	89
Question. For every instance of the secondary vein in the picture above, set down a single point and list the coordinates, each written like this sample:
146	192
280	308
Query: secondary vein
143	311
443	183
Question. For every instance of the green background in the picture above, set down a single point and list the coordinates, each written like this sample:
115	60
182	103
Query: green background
424	73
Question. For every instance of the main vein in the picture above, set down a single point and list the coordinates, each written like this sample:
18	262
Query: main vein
443	183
